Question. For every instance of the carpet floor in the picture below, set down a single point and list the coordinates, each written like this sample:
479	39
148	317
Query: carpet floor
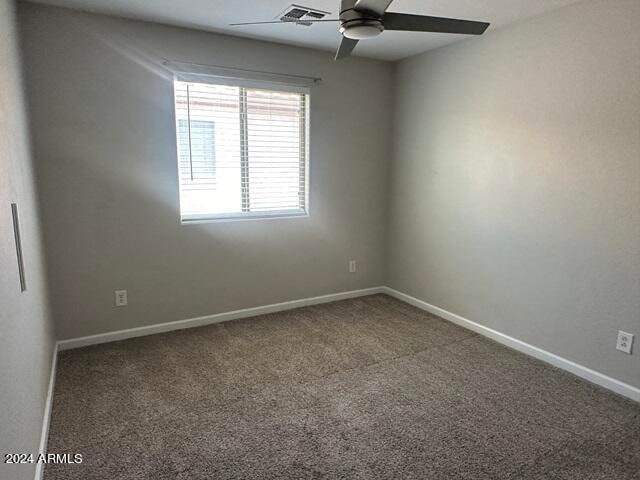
369	388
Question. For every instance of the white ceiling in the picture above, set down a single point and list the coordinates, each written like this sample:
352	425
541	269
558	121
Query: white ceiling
215	15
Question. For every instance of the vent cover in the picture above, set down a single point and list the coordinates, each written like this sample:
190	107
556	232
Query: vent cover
298	14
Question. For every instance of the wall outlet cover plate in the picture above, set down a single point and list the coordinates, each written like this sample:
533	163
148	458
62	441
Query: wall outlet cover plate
625	342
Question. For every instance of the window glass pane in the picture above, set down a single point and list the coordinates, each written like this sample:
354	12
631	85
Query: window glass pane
208	136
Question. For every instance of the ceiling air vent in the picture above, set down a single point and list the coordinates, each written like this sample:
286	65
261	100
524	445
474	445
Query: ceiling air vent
298	14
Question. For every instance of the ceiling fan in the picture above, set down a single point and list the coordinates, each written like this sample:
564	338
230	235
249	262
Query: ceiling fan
362	19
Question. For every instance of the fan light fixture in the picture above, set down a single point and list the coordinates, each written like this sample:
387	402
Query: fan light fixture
362	30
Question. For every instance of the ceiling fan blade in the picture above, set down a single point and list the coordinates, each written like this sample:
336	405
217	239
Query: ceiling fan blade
287	21
346	47
375	6
423	23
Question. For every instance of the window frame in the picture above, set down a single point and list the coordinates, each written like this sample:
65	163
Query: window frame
191	219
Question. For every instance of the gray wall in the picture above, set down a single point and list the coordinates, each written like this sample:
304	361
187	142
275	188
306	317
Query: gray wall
26	339
104	142
516	182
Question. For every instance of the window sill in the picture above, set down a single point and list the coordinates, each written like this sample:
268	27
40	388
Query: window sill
199	219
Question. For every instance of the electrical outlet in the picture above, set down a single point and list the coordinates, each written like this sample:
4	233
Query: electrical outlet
625	342
353	266
121	298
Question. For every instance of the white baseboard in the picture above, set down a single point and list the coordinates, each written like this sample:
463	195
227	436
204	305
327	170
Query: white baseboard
581	371
210	319
46	417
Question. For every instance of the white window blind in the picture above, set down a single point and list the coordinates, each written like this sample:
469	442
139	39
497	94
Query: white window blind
242	151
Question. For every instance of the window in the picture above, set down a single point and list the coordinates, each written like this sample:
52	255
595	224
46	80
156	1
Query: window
242	150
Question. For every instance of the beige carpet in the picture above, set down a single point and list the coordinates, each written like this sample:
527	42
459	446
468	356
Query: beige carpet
370	388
